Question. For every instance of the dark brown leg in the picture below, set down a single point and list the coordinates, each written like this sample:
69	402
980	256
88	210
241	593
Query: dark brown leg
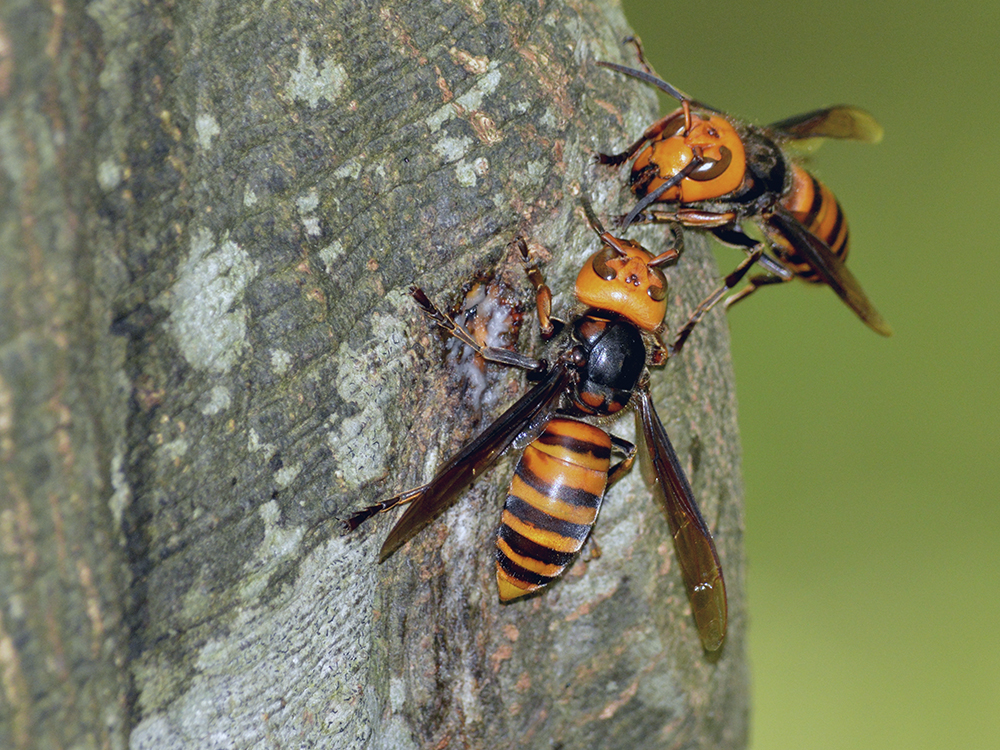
619	469
755	283
714	298
689	217
721	226
393	502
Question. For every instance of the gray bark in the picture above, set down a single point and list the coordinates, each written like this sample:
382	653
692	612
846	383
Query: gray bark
211	213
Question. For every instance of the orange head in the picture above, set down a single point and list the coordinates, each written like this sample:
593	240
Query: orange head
711	137
618	278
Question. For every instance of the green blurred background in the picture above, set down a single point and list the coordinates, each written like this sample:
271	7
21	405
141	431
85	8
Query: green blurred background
871	465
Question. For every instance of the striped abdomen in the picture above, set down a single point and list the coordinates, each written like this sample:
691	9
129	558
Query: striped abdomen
551	506
816	207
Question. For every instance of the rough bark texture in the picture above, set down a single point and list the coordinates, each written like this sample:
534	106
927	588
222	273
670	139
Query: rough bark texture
211	213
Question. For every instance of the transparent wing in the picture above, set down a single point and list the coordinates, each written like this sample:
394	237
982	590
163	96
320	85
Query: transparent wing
699	562
829	267
841	121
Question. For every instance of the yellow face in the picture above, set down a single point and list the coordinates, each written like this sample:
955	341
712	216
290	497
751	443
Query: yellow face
714	140
618	279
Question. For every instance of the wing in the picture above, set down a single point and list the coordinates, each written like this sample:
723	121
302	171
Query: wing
693	543
841	121
828	266
476	457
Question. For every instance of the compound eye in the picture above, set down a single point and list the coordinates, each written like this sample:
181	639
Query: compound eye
675	129
657	293
711	168
600	263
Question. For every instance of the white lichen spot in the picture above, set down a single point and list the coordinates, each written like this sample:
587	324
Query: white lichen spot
249	197
175	449
469	697
207	128
309	202
397	693
284	476
439	117
485	85
394	734
278	542
311	83
311	226
537	169
585	50
218	400
463	526
121	492
15	610
356	448
207	316
481	166
465	173
109	174
280	359
532	174
356	441
452	149
256	445
471	100
349	171
331	253
549	119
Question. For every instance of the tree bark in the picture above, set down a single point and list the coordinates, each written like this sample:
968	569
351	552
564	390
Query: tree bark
211	214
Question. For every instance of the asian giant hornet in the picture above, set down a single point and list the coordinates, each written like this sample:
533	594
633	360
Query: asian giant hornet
565	467
714	172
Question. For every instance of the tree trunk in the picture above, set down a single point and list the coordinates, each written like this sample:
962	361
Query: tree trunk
208	359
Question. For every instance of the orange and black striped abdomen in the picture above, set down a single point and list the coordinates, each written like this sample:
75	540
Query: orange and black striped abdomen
552	504
816	207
